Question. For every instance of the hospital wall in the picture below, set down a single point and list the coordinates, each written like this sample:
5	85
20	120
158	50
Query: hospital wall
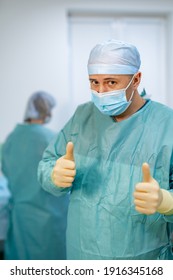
34	51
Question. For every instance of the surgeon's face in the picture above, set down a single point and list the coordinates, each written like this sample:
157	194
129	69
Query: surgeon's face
105	83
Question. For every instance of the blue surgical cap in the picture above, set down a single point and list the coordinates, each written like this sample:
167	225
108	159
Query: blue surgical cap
114	57
39	106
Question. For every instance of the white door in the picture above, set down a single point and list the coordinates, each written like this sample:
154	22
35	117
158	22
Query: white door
147	33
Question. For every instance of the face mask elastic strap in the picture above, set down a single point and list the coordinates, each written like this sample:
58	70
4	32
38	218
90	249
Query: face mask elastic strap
130	82
131	95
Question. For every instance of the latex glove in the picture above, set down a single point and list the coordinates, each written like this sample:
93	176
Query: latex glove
148	195
64	171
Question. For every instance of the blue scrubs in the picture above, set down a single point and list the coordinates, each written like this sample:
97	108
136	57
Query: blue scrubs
37	218
4	207
102	220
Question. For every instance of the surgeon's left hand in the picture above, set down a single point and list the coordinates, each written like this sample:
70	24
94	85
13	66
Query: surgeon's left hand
148	195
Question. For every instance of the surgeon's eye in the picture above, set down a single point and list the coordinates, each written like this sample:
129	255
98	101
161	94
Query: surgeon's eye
94	82
111	83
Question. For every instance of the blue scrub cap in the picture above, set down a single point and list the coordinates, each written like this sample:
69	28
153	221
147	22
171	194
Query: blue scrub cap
114	57
39	106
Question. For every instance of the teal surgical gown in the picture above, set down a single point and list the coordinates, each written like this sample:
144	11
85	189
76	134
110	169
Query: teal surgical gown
102	220
37	218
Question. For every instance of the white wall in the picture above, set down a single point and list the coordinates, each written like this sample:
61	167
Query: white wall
34	50
33	56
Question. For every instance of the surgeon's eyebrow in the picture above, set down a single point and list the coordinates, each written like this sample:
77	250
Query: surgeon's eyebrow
105	79
111	78
93	80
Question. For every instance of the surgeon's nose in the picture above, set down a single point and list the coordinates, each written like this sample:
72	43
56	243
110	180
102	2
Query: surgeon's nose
101	89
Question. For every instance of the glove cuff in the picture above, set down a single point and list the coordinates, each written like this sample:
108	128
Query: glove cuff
166	206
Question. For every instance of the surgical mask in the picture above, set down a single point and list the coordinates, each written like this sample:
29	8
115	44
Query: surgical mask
112	103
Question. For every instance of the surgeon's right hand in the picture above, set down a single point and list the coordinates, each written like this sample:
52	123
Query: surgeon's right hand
64	171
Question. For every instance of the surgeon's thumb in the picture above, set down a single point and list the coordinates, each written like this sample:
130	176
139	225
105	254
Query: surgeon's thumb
69	151
146	173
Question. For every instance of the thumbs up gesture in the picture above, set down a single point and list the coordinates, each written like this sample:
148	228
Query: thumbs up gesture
64	171
148	195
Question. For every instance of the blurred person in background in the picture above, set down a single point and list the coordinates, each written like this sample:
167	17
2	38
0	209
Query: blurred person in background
37	219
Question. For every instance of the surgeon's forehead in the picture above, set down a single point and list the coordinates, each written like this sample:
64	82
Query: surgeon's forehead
107	76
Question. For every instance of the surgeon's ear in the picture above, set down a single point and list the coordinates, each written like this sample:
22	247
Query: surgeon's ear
137	79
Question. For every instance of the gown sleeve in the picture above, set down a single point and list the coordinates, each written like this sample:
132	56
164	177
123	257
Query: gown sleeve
53	152
169	218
